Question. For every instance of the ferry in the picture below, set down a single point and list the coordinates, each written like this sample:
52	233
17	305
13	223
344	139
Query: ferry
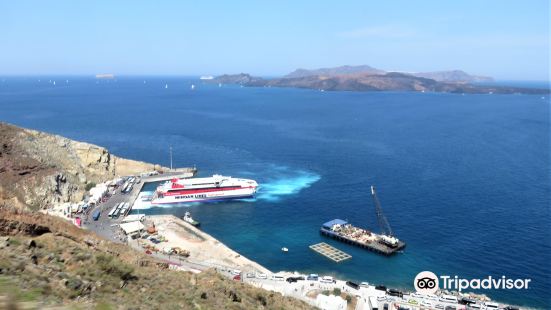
213	188
206	77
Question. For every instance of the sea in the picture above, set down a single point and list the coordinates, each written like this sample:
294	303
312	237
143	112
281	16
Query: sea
464	180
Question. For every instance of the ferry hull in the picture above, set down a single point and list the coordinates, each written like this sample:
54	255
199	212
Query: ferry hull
205	197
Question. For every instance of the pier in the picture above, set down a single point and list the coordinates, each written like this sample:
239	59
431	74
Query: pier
179	173
105	225
330	252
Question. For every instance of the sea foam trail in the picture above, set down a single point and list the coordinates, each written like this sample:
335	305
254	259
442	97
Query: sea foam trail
278	188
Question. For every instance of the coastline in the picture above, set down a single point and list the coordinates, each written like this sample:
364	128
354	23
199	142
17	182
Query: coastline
204	249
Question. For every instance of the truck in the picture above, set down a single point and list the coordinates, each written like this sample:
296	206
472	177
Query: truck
95	215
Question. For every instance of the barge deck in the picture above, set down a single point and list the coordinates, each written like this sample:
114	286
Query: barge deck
343	231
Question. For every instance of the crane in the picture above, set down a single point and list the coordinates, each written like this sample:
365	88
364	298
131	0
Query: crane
381	218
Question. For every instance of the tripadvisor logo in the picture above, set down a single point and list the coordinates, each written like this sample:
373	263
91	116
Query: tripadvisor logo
427	282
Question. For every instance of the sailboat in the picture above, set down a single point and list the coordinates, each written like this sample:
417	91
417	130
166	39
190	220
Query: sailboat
166	86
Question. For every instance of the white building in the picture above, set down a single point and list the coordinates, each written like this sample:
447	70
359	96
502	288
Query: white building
330	302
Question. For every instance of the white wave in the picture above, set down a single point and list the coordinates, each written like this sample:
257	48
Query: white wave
276	189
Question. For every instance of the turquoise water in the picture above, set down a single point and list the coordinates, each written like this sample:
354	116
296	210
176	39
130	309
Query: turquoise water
464	180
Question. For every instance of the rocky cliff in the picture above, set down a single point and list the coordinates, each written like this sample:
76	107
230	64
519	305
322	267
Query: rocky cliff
39	169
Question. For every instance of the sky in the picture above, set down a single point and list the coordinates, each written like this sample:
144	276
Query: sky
505	39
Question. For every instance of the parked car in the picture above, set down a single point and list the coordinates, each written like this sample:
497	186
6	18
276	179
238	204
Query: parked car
448	298
235	272
395	292
352	285
327	279
364	284
261	276
277	277
413	301
250	275
291	279
312	277
491	305
426	304
237	277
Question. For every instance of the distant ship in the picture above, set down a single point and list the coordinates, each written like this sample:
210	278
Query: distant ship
213	188
105	76
206	77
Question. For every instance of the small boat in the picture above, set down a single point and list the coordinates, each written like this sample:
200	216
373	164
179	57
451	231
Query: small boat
187	218
284	249
166	86
192	86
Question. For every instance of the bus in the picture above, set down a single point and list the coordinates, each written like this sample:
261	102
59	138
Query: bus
95	215
110	215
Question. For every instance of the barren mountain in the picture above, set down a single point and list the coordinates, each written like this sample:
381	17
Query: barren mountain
38	169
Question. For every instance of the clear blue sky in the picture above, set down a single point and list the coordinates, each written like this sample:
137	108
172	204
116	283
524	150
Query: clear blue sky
504	39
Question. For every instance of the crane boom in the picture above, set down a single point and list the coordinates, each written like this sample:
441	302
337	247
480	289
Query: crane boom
381	218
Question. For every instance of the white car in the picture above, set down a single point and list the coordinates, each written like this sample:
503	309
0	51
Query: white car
235	272
327	279
364	284
431	297
276	277
449	299
261	276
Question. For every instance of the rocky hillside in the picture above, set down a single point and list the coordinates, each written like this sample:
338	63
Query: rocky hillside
46	262
450	76
391	81
342	70
453	76
39	169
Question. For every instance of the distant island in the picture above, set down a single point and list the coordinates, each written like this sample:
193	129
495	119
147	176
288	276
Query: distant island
366	78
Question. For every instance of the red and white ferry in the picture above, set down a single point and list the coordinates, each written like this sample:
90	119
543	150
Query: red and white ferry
217	187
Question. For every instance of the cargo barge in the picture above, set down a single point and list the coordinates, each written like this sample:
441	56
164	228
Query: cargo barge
384	243
342	231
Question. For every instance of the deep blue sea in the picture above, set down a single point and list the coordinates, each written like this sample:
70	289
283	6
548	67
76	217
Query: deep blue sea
463	179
